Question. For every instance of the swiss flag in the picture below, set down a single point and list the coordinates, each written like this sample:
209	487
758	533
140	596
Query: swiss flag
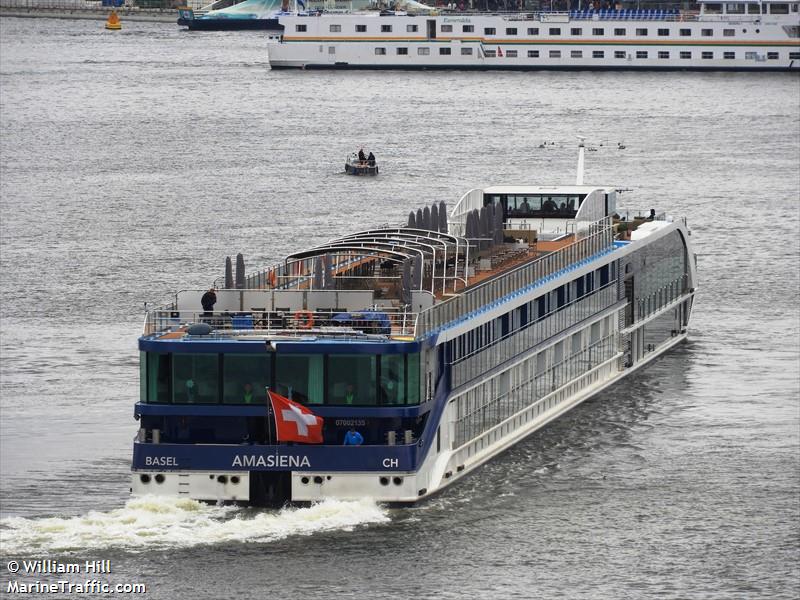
293	422
499	52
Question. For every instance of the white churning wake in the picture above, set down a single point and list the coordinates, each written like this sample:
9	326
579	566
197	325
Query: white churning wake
153	522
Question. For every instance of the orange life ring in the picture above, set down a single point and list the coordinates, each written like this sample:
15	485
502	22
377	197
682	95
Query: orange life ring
304	319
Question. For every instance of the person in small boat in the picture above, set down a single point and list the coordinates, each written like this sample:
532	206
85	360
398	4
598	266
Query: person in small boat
361	156
208	301
371	159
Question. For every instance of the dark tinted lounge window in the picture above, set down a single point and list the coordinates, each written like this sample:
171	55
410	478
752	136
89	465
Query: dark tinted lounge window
245	378
351	379
299	377
195	378
159	372
392	388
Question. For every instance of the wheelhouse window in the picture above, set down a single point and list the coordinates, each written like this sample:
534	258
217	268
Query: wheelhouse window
245	378
714	8
778	9
734	8
299	377
522	206
195	378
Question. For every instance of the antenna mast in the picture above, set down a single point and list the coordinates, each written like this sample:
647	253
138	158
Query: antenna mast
581	149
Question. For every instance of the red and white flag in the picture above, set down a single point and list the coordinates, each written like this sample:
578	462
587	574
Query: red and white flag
294	422
499	52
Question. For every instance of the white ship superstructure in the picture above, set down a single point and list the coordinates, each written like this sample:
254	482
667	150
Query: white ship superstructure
443	342
745	35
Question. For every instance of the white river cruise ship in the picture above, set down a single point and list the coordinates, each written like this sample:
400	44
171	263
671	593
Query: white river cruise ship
744	35
392	362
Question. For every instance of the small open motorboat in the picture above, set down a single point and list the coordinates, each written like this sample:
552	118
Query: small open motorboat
354	166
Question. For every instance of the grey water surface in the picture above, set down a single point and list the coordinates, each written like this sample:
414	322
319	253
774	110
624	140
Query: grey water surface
132	163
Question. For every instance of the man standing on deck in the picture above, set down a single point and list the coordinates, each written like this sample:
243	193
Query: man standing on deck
353	438
208	301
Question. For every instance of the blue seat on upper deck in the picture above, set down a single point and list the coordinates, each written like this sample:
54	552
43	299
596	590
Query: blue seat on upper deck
242	321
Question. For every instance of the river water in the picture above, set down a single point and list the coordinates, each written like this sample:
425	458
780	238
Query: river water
134	162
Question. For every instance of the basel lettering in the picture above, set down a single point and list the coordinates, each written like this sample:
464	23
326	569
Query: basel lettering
283	461
160	461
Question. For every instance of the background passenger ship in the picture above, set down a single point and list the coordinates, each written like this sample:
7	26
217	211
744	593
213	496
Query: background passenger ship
442	342
746	35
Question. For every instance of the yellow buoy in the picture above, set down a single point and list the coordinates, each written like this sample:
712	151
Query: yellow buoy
113	22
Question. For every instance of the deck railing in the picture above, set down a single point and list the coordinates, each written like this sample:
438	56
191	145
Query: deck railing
658	299
598	238
385	322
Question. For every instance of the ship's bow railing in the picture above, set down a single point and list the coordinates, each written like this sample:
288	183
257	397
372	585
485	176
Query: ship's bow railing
598	237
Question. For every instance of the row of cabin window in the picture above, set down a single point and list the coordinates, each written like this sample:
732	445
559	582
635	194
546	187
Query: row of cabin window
510	31
579	53
535	310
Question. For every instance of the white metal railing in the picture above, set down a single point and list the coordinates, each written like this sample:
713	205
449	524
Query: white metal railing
383	322
599	239
656	300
